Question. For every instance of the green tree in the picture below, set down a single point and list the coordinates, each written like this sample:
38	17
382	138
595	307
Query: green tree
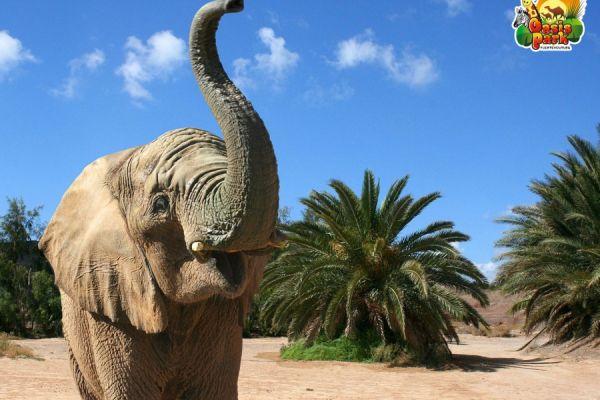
351	270
18	228
46	307
29	301
553	249
8	305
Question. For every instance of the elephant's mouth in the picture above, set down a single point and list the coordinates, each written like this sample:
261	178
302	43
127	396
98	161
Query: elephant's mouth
232	268
224	273
211	272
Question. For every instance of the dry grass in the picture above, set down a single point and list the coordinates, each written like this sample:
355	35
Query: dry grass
499	330
12	350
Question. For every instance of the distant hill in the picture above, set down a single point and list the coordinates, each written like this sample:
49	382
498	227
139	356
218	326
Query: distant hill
497	314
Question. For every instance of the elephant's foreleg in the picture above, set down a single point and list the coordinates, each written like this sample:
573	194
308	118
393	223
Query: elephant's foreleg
129	366
84	390
77	336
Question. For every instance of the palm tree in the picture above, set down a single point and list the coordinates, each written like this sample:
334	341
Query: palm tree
348	270
553	249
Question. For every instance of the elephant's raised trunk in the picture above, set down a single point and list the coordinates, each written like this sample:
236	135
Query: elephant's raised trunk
240	212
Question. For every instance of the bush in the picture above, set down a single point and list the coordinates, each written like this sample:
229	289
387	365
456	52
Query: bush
366	350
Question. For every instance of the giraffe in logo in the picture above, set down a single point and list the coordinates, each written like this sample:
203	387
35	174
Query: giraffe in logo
531	9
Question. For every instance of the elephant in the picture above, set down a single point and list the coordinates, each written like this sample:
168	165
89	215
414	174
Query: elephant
158	250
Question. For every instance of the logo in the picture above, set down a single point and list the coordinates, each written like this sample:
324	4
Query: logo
549	25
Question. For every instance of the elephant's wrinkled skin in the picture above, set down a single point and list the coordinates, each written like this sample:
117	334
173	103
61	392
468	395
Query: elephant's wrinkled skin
157	250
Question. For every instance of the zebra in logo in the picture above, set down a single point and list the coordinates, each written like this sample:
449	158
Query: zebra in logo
521	17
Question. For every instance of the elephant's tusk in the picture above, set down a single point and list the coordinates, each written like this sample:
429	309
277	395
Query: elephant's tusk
197	247
277	241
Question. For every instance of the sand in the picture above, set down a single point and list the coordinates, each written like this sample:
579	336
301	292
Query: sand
490	368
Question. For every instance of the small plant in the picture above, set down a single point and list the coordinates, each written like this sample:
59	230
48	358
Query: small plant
12	350
500	330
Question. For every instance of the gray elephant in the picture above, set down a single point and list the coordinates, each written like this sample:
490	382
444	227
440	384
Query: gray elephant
157	250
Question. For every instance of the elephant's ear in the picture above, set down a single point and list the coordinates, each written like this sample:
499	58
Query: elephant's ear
95	261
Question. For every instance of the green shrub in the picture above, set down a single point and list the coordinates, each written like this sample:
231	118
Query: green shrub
366	349
341	349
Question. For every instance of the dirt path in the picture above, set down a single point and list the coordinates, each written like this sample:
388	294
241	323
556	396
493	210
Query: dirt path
491	369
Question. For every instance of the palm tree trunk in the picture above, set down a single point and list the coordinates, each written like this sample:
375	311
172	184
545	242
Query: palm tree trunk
313	331
350	329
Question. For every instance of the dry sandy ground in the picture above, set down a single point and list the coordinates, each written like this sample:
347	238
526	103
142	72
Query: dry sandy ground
490	369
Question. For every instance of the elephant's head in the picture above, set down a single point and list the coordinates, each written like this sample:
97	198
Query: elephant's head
181	219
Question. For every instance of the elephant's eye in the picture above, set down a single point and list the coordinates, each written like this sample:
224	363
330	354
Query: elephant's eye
161	205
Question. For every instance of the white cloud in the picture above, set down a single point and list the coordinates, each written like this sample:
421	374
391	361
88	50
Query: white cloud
274	65
279	60
12	54
458	246
158	58
408	68
457	7
318	95
489	269
88	62
359	49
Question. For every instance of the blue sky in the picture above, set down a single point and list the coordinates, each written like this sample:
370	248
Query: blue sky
436	89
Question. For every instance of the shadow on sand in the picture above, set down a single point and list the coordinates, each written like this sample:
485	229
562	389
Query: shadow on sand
475	363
